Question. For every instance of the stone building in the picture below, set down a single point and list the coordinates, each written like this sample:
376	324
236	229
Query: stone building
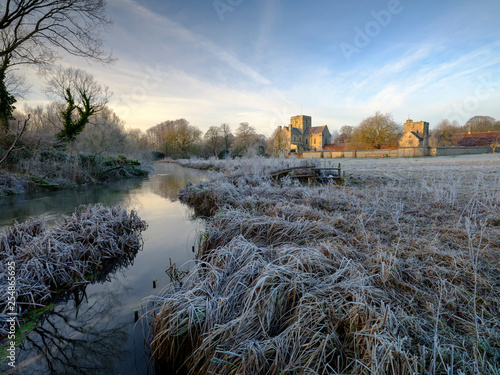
416	134
302	136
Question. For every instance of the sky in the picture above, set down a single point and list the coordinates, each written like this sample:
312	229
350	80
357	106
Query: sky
263	61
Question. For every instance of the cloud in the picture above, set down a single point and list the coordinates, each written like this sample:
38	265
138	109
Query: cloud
269	14
181	38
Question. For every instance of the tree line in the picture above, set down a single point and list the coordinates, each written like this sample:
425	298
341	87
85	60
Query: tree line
180	139
34	33
381	131
449	133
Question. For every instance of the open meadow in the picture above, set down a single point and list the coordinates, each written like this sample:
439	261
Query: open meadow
397	271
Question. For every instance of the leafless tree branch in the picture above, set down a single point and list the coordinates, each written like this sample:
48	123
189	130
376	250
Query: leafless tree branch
32	31
18	137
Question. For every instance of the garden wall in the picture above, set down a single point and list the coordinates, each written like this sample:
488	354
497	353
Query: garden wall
446	151
402	152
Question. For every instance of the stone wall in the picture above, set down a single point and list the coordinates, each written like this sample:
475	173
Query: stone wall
402	152
447	151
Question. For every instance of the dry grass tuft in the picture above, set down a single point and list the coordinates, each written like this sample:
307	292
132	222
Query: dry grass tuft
49	261
397	272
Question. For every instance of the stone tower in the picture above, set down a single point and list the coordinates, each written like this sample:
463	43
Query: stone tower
415	134
420	128
301	122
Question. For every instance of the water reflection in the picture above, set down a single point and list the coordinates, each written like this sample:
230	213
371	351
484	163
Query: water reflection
77	339
171	178
55	203
92	330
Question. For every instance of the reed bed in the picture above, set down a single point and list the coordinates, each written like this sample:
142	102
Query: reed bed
49	261
395	272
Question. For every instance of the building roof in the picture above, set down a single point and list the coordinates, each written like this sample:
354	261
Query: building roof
492	134
476	139
294	130
420	138
316	129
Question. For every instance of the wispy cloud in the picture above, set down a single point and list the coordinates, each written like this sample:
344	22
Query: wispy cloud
166	27
267	59
269	14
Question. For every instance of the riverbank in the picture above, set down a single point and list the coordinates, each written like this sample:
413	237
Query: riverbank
38	264
52	170
93	327
395	272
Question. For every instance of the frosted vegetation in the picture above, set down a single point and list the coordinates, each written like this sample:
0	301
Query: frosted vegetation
395	272
50	261
56	170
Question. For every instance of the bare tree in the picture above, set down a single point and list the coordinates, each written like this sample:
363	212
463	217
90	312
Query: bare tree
186	136
479	124
161	136
18	136
83	98
105	134
7	102
213	140
279	143
376	131
245	139
44	124
226	135
443	134
32	31
346	133
174	138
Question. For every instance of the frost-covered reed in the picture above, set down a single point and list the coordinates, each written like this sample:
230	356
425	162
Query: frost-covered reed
395	272
51	260
262	164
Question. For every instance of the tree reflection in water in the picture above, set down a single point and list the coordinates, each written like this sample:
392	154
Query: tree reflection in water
169	181
81	335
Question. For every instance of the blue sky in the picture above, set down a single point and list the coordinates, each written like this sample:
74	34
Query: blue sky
264	61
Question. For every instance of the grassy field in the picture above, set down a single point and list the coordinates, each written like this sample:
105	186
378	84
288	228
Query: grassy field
395	272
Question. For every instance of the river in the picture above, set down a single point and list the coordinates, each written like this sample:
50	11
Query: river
97	334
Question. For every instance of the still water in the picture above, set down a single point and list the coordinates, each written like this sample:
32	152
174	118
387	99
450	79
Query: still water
93	332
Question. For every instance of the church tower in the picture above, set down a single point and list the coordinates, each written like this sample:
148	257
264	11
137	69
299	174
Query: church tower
301	122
